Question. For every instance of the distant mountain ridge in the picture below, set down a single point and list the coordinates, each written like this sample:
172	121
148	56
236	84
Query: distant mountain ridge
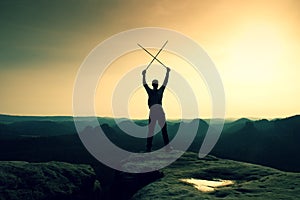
274	143
17	118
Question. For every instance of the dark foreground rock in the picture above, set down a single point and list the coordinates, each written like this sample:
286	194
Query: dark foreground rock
137	171
52	180
125	185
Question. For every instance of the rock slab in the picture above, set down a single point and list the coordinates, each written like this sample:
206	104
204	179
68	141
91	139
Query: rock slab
51	180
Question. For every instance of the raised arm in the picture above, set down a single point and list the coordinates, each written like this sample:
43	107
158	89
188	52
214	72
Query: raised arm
144	77
144	82
167	77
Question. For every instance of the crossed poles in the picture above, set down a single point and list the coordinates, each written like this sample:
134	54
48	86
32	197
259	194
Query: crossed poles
154	57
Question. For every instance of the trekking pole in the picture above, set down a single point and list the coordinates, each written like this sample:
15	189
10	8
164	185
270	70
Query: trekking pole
154	57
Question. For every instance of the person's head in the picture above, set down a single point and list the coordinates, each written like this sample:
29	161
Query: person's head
155	84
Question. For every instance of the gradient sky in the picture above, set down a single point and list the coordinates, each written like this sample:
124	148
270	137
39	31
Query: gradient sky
255	46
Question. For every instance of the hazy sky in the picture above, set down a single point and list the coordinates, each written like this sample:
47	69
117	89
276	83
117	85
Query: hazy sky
255	46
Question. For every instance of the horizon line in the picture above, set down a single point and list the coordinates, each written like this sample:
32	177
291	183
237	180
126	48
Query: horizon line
204	118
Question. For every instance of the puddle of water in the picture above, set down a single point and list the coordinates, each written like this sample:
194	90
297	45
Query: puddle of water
206	185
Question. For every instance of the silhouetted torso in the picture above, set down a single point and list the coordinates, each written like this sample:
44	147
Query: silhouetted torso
154	96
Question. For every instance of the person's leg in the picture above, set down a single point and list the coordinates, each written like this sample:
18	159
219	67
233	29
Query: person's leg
151	127
162	123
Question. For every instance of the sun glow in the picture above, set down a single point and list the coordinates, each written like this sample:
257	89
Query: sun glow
256	53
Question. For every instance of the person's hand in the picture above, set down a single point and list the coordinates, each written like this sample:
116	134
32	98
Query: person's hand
168	69
143	72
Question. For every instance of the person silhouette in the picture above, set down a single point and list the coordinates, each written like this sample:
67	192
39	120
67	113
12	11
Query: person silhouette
156	114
